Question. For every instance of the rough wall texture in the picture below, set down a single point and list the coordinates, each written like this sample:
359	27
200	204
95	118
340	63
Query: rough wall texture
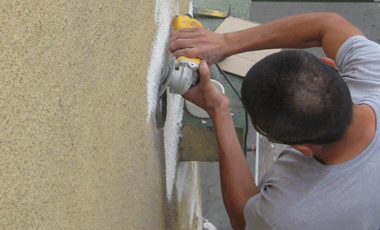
75	150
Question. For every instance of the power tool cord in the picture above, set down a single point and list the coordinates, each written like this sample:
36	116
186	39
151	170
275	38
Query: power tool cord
245	112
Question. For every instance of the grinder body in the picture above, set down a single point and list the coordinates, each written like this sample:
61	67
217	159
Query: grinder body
182	73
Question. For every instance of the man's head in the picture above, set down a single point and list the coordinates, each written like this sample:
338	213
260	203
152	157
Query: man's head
295	98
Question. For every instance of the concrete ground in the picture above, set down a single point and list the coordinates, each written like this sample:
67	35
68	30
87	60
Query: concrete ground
366	16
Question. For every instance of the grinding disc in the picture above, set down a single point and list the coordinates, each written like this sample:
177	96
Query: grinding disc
165	76
161	110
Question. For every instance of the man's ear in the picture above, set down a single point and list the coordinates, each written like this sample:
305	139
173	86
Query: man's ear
305	149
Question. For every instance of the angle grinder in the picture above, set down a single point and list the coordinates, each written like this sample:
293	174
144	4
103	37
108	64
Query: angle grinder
182	73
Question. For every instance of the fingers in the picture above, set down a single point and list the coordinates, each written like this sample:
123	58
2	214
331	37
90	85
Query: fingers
182	48
183	41
185	33
205	82
204	72
191	94
182	36
198	43
188	52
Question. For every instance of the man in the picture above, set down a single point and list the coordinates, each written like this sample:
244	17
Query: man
329	177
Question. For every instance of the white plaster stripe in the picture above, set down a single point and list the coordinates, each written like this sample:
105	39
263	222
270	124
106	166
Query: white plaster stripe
187	184
164	13
187	174
193	200
171	139
183	170
191	8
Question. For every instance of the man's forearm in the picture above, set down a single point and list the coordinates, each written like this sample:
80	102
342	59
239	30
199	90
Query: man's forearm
236	178
328	30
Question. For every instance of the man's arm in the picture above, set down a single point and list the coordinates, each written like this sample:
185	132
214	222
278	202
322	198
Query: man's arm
328	30
237	181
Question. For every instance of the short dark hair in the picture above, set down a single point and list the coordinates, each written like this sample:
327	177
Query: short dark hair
295	98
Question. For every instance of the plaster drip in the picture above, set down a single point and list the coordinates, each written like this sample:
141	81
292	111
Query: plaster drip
172	128
183	170
194	201
164	13
188	182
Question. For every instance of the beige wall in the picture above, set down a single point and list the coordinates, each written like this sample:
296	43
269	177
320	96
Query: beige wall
75	150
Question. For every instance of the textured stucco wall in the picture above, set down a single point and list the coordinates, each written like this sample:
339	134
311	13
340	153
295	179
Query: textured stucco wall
75	149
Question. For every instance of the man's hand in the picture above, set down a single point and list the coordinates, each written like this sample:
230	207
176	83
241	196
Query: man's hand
200	43
206	95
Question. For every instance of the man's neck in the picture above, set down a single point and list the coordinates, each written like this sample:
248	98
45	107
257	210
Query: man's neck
358	136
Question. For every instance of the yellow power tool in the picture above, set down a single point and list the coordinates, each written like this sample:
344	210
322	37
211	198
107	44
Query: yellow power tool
182	73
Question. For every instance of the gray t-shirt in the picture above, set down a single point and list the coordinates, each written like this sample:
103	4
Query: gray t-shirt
301	193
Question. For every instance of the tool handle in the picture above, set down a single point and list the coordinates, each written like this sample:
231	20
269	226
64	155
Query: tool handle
184	21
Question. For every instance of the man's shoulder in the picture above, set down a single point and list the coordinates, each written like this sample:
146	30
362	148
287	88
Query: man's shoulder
290	163
285	184
291	159
356	46
358	62
296	183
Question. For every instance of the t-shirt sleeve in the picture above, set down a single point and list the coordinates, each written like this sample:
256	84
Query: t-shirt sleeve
358	60
281	188
264	209
253	216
